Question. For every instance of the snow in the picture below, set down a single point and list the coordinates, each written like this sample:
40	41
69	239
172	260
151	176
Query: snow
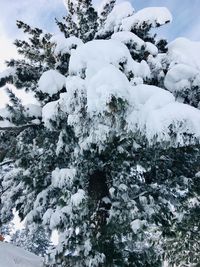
114	19
56	218
99	70
98	53
107	82
144	94
65	45
184	65
49	112
7	72
129	38
12	256
5	123
67	103
136	225
67	100
30	109
51	82
4	113
184	119
156	112
77	198
147	17
151	48
47	216
184	51
33	110
63	177
102	5
180	77
55	237
132	40
103	51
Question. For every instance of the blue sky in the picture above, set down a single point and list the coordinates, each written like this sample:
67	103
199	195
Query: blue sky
41	13
186	19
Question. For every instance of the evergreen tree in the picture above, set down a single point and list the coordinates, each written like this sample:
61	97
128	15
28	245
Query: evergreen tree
81	20
108	162
104	10
34	240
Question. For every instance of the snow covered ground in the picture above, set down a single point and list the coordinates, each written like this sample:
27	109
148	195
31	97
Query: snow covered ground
12	256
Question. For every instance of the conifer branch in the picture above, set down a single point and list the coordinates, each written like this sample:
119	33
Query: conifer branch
17	128
6	162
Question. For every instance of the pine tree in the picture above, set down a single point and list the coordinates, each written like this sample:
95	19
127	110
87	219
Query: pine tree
81	20
104	10
34	240
108	163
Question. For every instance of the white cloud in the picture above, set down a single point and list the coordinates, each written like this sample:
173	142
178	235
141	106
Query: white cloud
7	49
39	13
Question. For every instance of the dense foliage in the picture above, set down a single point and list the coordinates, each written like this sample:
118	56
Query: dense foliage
108	158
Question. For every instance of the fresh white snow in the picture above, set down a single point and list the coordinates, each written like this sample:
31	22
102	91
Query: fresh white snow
7	72
147	17
4	113
78	197
6	123
136	225
33	110
180	77
56	218
95	74
12	256
129	38
66	104
63	177
151	48
51	82
65	45
108	82
50	112
184	65
157	111
88	58
114	19
184	51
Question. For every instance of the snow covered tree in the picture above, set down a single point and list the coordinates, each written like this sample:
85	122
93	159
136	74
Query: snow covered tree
104	10
34	239
182	248
81	20
105	158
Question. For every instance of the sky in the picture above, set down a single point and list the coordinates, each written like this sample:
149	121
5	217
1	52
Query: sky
41	13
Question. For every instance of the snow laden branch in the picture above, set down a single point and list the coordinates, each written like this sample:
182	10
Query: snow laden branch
18	128
6	162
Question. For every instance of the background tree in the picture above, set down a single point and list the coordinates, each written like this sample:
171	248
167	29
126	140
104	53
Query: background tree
34	239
